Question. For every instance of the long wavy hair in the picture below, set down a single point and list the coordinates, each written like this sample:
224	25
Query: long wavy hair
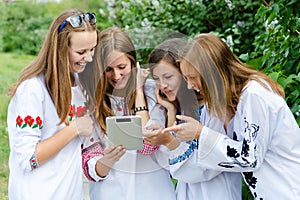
223	76
170	51
53	62
113	39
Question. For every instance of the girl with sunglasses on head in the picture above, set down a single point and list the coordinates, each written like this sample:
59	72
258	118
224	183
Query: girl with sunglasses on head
114	172
46	113
193	182
265	146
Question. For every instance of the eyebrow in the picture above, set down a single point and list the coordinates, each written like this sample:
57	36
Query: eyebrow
116	65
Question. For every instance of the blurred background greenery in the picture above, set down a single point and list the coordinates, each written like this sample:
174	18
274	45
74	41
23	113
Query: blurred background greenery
263	33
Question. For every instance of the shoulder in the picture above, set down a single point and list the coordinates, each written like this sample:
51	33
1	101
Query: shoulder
149	88
150	84
255	92
32	86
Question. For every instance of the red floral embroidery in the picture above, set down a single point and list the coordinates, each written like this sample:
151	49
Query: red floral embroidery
19	120
71	112
76	111
39	121
29	120
81	110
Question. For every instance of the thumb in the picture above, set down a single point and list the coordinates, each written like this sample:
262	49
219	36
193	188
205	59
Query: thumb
183	118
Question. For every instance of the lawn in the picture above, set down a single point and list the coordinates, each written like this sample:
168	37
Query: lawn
10	67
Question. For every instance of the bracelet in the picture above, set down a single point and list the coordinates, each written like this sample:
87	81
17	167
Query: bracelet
33	161
140	108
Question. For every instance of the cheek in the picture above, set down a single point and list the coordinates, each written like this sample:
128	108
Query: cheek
74	57
108	75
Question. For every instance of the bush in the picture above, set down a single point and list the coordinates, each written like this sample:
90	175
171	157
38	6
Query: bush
25	24
277	48
265	34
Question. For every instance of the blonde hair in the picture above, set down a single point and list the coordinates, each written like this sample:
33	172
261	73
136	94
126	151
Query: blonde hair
113	39
223	76
53	62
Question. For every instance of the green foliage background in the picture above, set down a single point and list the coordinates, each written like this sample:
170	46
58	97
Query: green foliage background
263	33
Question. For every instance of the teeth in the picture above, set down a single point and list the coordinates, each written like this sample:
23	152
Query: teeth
82	64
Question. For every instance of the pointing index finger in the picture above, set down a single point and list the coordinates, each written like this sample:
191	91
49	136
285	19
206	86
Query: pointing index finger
172	128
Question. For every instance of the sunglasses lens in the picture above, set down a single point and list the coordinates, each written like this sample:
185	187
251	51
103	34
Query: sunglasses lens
90	17
76	21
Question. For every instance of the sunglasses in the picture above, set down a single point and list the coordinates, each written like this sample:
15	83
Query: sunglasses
76	20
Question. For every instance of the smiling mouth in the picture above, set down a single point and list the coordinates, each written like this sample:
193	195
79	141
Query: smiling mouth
81	64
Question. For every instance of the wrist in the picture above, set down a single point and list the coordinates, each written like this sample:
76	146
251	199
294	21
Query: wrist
172	144
74	127
199	129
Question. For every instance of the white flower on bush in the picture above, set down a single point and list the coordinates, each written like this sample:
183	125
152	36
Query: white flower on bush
229	4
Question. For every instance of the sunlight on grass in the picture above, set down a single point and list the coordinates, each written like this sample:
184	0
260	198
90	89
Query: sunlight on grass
10	67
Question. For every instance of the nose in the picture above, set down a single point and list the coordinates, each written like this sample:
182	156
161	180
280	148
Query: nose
163	84
89	56
116	74
190	85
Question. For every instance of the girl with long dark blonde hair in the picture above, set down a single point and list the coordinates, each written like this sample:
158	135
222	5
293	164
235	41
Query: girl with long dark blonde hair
123	89
46	113
262	135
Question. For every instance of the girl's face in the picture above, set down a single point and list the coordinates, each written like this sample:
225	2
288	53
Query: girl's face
191	75
81	50
168	79
118	69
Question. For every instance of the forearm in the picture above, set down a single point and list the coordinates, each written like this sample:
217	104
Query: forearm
102	169
48	148
171	113
141	102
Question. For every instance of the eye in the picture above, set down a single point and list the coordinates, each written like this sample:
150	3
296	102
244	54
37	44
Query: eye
168	76
108	69
155	78
123	66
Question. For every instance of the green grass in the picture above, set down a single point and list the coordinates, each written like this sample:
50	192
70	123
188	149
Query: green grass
10	67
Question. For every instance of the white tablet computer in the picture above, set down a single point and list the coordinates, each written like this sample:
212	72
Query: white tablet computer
125	130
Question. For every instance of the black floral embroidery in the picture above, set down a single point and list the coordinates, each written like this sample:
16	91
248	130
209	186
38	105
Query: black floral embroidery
251	182
242	159
232	152
245	148
250	179
251	130
234	137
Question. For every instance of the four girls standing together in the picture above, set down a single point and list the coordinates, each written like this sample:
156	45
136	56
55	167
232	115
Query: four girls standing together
208	120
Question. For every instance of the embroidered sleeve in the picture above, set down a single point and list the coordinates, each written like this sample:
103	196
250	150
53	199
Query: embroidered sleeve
90	155
25	120
248	150
148	149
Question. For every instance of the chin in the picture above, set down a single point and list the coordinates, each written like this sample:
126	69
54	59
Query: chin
79	69
171	98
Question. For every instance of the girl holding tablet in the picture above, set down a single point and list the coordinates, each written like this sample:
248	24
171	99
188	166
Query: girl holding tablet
117	173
